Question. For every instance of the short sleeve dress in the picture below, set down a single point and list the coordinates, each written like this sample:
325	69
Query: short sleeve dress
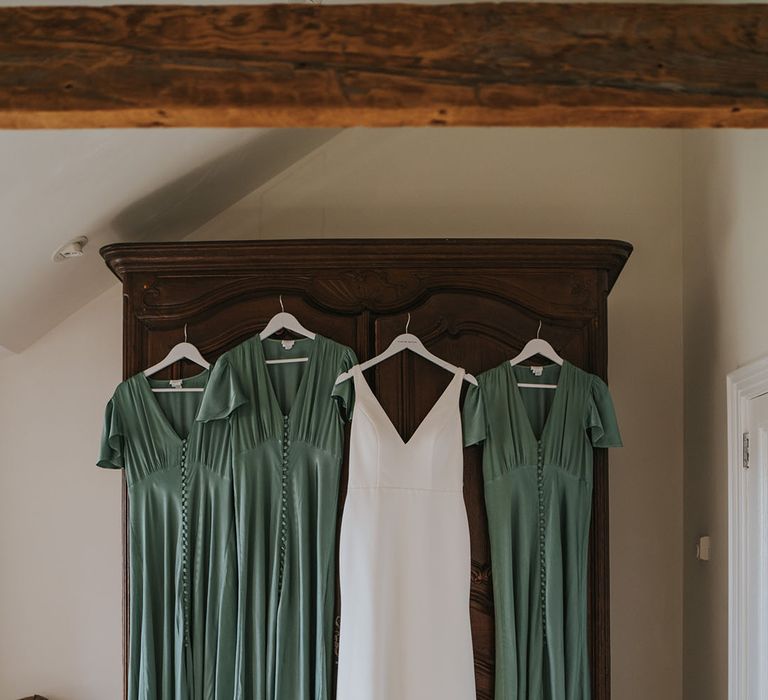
287	441
181	541
537	470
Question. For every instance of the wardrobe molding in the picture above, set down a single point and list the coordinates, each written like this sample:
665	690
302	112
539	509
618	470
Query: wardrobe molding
474	302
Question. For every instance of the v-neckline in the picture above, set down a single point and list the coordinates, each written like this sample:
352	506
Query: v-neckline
521	404
458	373
268	379
158	409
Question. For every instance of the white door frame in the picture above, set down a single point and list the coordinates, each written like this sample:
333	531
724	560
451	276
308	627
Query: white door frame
744	384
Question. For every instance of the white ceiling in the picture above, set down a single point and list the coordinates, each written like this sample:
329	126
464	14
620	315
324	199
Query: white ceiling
115	185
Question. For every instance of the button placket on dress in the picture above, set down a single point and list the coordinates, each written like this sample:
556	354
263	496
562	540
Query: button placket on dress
184	542
542	536
284	500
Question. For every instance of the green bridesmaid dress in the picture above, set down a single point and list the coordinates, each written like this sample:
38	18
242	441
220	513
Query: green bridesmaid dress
181	542
537	470
287	441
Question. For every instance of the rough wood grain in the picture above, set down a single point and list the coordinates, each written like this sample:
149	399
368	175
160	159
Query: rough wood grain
588	64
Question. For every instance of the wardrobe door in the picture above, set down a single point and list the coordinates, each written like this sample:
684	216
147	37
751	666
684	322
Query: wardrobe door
473	302
475	330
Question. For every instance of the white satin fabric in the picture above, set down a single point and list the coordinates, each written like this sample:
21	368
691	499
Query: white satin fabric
404	557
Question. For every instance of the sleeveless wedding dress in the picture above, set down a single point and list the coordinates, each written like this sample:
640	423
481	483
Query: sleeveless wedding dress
404	557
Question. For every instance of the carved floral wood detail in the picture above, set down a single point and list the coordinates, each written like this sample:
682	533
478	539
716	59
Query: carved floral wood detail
380	290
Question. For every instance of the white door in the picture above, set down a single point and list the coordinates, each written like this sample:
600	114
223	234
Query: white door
756	549
748	536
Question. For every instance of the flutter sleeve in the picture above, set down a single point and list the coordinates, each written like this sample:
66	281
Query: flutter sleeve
223	394
112	447
601	423
344	393
473	418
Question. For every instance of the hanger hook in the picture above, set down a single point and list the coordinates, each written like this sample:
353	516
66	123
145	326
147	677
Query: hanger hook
538	331
282	308
408	322
185	332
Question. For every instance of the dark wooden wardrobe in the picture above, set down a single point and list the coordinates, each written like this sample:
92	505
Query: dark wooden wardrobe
474	302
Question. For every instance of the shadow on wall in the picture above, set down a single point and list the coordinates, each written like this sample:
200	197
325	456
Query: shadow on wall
177	209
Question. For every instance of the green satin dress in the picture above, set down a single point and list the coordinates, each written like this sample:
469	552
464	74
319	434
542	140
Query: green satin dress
181	542
537	470
287	440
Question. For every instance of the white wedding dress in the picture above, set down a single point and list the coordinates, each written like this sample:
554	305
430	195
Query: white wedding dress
404	557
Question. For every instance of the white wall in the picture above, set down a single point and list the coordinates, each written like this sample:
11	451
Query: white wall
60	515
726	326
60	572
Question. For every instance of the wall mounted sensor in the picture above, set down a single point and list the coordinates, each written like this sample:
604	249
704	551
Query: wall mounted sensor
71	249
703	548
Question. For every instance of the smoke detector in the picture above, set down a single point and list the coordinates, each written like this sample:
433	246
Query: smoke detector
71	249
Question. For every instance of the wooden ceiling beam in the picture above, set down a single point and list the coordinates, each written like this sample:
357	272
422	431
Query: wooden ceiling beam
504	64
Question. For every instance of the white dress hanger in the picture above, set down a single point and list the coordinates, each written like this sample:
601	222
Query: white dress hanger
537	346
180	351
406	341
285	321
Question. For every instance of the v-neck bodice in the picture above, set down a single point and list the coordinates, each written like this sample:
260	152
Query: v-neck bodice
537	406
150	430
380	458
564	440
242	377
285	382
375	407
175	411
